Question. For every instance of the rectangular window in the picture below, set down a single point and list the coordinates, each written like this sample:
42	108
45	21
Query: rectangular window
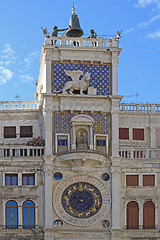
124	133
9	132
101	144
148	180
28	179
26	131
62	143
11	179
138	134
131	180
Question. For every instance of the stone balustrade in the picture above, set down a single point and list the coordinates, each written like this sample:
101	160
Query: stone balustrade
21	151
81	42
139	108
139	153
18	105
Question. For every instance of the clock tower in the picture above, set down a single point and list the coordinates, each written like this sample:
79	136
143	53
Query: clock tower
78	95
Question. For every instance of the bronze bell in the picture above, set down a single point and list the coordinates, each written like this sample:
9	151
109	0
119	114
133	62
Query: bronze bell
74	29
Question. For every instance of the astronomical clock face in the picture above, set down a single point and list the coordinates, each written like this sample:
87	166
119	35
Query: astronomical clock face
81	200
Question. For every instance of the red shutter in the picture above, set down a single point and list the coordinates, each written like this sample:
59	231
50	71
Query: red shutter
124	133
132	215
138	134
131	180
148	180
148	215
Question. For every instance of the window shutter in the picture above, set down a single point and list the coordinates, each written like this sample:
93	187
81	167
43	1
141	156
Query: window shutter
124	133
131	180
26	131
138	134
132	215
9	132
148	215
148	180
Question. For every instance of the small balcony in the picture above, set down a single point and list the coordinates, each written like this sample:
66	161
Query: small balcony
21	151
139	153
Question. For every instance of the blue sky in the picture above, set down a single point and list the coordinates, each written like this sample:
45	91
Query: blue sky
21	40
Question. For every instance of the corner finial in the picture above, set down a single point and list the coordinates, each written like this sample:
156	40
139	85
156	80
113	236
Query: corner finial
73	8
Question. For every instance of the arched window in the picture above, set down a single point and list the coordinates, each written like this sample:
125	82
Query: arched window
148	215
28	214
132	215
11	214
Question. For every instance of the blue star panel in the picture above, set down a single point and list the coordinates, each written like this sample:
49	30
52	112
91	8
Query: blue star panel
100	76
62	122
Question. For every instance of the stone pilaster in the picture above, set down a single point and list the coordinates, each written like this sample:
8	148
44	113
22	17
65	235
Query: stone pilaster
115	62
115	170
48	75
48	125
115	125
48	191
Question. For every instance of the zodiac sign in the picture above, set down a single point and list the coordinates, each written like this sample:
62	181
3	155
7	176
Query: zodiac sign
95	195
91	189
87	214
80	215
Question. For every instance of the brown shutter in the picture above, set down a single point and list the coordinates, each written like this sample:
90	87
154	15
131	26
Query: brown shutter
132	215
138	134
9	132
131	180
148	180
148	215
25	131
124	133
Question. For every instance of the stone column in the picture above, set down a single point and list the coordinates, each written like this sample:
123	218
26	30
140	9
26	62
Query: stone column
115	125
20	221
91	137
48	192
141	217
74	137
48	132
48	75
115	170
115	62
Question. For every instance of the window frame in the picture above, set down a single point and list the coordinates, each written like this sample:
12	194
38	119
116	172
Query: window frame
125	139
149	174
9	136
11	175
7	207
132	175
145	216
95	141
136	128
127	213
28	210
28	175
24	135
63	135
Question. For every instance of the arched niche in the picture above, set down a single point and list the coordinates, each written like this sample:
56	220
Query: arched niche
82	131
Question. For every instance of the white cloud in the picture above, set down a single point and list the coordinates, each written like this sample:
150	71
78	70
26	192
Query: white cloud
5	75
26	78
143	24
30	58
154	35
144	3
8	50
8	55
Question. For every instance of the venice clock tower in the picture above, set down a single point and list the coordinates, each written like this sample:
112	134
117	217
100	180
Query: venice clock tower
78	94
